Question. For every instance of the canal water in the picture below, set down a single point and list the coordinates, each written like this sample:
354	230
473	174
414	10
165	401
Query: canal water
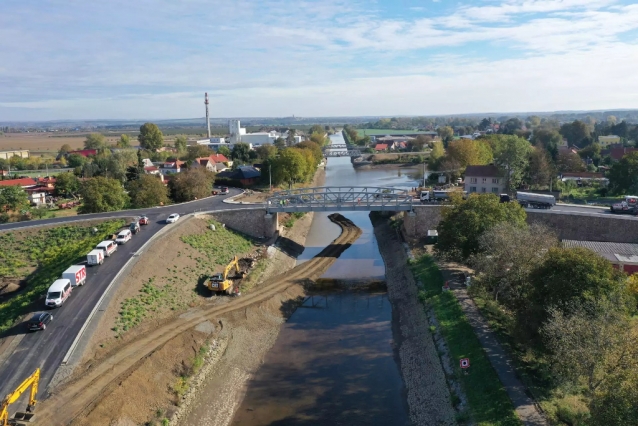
334	361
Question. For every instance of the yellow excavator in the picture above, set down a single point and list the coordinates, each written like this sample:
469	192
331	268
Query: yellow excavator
27	416
222	282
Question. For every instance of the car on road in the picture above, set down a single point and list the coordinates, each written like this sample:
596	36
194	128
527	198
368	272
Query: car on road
39	321
134	227
223	190
144	220
124	236
58	293
172	218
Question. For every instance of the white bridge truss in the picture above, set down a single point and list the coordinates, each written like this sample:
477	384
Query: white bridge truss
340	198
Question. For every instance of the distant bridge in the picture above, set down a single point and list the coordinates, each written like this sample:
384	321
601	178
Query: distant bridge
341	146
340	198
342	153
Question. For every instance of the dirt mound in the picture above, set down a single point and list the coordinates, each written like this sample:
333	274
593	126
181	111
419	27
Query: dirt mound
81	397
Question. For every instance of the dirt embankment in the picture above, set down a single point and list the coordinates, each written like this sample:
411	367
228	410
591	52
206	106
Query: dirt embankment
136	380
428	396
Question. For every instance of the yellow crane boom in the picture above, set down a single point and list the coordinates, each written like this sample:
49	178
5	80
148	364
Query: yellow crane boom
220	282
30	382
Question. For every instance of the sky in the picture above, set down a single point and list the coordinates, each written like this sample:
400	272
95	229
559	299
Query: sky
154	59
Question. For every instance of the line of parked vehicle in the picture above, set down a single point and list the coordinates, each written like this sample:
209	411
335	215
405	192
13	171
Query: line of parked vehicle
75	275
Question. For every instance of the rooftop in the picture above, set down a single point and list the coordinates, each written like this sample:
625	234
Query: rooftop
483	171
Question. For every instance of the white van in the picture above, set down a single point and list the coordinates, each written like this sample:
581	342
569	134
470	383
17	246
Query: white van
76	274
57	294
95	257
123	236
108	247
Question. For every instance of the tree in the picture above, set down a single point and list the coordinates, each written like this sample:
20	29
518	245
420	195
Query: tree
508	253
446	134
511	126
550	140
266	151
150	137
539	171
568	277
289	167
197	151
418	144
511	155
591	346
569	162
316	128
615	402
468	152
192	184
290	139
591	152
65	149
280	143
463	224
485	124
135	172
102	194
623	175
317	153
436	155
67	184
241	152
319	138
575	132
124	142
147	191
224	150
181	143
534	120
13	198
76	160
95	141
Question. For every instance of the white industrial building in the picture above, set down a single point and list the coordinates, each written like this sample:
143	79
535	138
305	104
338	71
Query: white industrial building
238	134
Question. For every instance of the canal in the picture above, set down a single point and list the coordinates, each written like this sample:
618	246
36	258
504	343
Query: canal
334	361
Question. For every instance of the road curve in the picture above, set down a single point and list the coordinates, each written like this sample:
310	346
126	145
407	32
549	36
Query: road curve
46	349
103	375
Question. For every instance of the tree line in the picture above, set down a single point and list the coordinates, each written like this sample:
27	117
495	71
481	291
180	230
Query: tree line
568	312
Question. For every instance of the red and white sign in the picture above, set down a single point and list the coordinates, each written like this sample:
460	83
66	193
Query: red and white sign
80	275
465	363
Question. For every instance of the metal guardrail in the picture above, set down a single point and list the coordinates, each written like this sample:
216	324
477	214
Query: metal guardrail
340	198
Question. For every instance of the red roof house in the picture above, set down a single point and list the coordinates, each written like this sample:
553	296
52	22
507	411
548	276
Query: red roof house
84	152
617	153
24	182
219	158
381	147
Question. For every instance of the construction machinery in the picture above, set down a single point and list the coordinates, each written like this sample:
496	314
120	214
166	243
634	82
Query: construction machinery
222	282
20	417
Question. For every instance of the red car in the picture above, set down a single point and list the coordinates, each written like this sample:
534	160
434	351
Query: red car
143	220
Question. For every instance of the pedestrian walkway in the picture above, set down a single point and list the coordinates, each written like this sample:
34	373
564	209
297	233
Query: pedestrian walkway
524	405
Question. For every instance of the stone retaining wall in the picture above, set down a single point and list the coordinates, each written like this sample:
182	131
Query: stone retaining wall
256	223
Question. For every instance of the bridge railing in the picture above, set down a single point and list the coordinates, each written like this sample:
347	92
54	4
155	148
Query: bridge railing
340	199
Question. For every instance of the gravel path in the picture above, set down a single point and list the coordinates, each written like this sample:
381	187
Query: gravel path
427	391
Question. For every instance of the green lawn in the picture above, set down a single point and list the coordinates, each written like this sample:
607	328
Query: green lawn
383	132
488	400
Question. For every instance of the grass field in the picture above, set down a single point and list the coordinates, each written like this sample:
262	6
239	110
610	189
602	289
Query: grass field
44	142
383	132
488	400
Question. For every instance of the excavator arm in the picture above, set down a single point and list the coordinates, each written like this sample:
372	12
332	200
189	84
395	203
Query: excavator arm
233	263
30	382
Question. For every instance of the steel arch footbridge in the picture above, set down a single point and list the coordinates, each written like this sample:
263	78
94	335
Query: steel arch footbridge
340	198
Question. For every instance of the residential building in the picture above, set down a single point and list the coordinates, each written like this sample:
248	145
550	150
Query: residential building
151	170
484	179
23	182
6	155
83	152
617	153
381	147
245	175
171	167
210	164
605	141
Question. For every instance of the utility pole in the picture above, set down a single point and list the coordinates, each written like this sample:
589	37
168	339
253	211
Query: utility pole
207	117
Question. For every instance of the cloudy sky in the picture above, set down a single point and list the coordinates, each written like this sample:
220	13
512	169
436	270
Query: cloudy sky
145	59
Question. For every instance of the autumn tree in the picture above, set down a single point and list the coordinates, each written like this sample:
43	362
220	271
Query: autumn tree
102	194
180	144
147	191
317	153
446	133
197	151
266	151
150	137
436	155
67	184
463	224
65	149
569	162
468	152
419	144
289	167
95	141
191	184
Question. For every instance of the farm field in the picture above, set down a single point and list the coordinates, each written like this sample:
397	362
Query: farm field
383	132
44	142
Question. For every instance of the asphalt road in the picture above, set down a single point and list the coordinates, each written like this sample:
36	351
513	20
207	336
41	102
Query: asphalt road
46	349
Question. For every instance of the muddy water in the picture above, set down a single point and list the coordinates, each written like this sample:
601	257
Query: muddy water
333	362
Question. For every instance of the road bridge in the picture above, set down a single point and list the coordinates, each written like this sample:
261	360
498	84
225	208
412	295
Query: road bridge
342	146
342	153
340	198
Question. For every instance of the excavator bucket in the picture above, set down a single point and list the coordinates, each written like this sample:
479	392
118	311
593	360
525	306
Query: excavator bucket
22	416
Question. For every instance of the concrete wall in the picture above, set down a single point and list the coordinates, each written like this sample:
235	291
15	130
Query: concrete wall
568	226
255	223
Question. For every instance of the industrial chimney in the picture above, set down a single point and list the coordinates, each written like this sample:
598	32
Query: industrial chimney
207	117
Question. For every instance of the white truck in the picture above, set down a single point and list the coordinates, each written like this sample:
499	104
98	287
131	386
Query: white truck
76	274
628	205
541	201
429	196
95	257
